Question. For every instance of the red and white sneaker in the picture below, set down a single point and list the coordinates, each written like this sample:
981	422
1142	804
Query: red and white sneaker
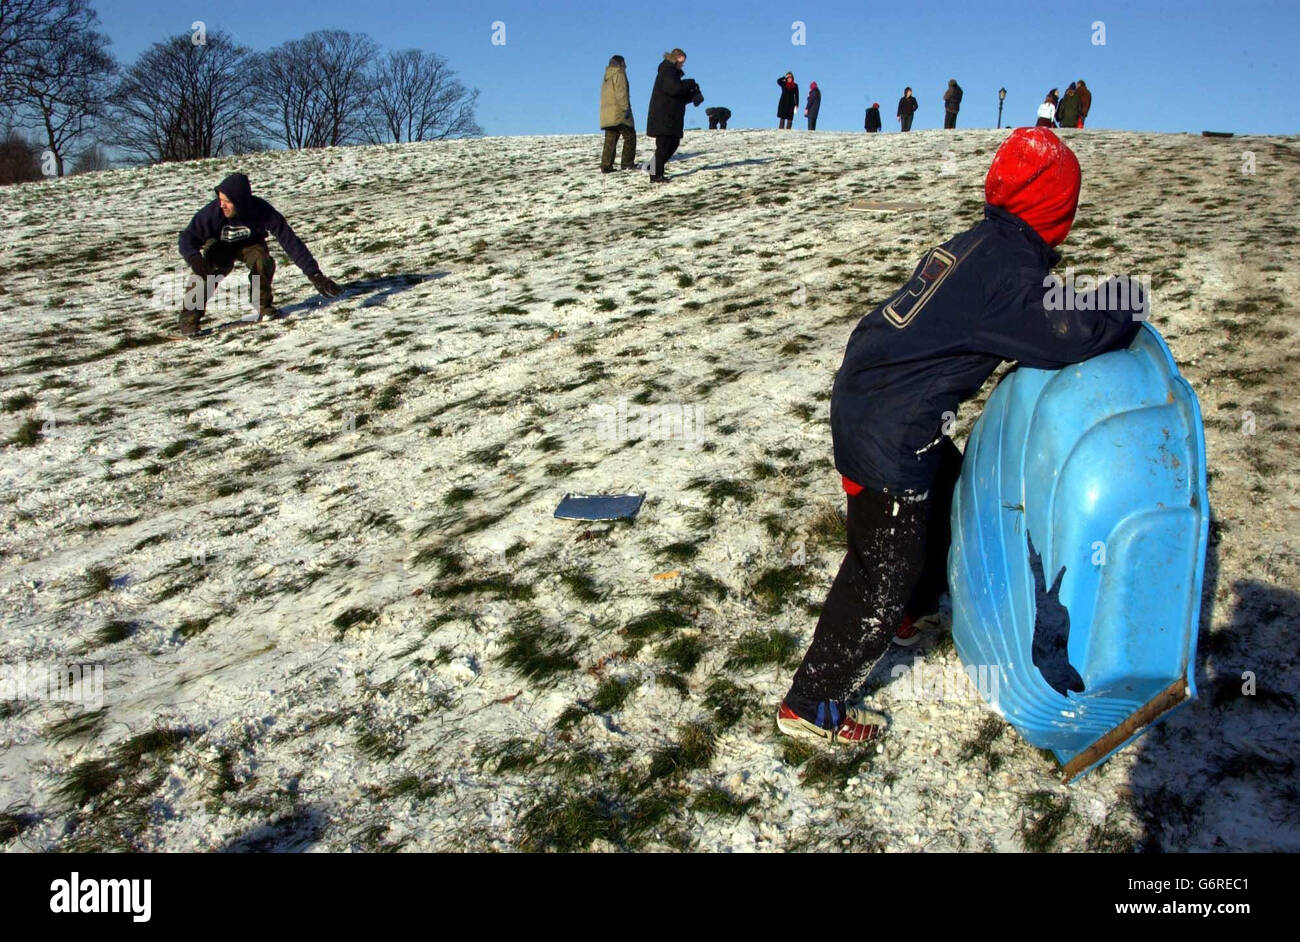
910	631
839	723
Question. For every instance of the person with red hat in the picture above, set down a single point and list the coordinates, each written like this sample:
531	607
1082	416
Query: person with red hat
982	297
873	118
813	105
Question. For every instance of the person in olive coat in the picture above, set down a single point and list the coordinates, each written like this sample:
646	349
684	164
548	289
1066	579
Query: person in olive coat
668	110
1067	112
616	116
906	108
788	102
813	105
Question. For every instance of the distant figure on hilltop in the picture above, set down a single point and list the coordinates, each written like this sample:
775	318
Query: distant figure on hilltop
1047	110
718	118
813	105
234	227
906	108
616	116
788	102
951	104
668	110
873	118
1067	112
1085	101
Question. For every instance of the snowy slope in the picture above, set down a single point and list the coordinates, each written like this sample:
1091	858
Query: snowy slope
318	562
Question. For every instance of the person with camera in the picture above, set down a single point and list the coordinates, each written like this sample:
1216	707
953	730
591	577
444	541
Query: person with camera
668	110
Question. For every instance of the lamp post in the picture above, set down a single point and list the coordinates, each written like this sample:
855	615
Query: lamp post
1002	96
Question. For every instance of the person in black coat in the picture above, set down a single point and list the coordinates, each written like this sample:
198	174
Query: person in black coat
668	101
718	118
951	104
813	106
906	108
789	101
873	118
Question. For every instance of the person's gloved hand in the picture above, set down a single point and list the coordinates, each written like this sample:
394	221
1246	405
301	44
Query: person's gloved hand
325	286
199	265
697	99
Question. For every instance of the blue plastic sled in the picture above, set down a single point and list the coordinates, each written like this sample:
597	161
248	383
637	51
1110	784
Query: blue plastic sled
1080	525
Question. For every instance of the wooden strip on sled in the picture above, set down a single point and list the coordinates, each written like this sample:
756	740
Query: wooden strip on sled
1147	714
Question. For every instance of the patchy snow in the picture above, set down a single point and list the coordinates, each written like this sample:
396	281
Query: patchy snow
321	551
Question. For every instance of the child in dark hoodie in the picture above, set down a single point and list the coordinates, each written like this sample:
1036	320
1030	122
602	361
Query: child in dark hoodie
973	302
234	227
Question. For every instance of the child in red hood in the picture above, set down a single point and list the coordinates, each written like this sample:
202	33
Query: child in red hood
979	299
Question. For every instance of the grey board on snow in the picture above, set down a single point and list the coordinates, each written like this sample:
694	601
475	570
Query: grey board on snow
599	506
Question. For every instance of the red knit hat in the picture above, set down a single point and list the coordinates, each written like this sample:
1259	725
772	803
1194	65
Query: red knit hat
1037	177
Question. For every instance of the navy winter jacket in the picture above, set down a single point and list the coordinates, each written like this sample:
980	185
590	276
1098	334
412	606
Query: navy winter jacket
253	219
973	302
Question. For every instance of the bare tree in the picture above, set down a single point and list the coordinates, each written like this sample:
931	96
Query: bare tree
287	94
346	83
91	160
418	98
27	27
316	91
183	100
64	99
19	159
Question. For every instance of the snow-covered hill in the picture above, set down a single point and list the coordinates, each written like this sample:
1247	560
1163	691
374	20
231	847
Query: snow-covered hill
318	561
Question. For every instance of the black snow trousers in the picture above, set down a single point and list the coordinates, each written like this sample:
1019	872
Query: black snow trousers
665	147
897	563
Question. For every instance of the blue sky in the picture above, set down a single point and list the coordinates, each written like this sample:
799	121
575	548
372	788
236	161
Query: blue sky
1165	66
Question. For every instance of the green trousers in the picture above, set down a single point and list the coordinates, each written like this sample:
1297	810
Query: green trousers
611	141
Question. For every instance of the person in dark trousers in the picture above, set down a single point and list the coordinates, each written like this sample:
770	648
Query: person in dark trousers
1047	110
951	104
873	118
233	227
668	101
616	117
906	108
978	299
813	105
1067	112
788	102
718	118
1085	100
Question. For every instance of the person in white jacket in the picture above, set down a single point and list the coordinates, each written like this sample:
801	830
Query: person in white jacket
1047	111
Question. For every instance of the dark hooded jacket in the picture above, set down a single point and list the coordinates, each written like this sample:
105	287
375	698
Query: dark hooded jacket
814	104
952	98
973	302
1067	112
668	101
873	118
253	219
789	99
